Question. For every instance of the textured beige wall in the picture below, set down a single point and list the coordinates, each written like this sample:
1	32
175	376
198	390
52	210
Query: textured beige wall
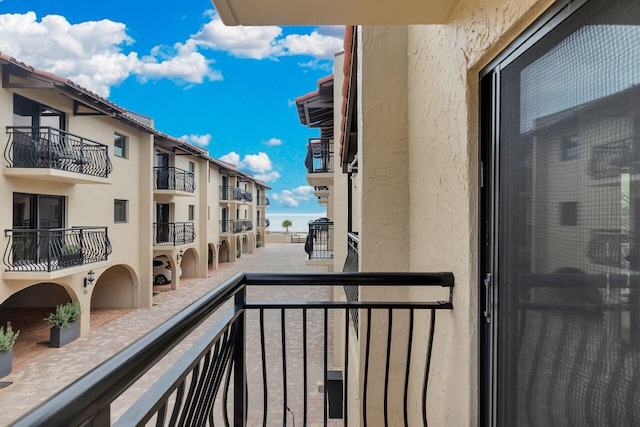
427	81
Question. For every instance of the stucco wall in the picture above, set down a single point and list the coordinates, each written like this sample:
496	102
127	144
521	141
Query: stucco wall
428	81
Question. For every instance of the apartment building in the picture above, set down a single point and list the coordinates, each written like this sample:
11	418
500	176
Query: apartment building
98	196
497	140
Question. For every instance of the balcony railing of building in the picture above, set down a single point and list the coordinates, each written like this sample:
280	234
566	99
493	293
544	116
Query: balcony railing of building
247	225
230	226
263	201
173	233
227	378
230	193
263	222
51	148
247	196
53	249
171	178
610	247
319	244
612	158
351	265
319	155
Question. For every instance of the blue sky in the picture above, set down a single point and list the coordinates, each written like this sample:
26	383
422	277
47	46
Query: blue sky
228	89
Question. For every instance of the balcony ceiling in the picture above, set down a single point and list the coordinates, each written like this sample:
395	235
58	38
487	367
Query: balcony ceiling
334	12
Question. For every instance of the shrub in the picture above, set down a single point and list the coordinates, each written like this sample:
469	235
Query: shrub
65	315
8	338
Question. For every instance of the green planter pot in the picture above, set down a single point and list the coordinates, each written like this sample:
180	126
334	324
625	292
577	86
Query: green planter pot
6	363
59	337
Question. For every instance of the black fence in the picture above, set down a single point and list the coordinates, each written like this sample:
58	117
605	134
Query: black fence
231	226
236	374
230	193
171	178
51	148
173	233
55	248
319	244
351	265
319	155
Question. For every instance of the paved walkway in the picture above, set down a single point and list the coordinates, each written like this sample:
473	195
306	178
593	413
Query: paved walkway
37	381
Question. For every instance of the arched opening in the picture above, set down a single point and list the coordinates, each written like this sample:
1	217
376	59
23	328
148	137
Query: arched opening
114	289
223	251
212	259
189	264
26	310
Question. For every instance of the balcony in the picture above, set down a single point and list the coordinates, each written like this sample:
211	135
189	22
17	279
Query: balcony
230	194
173	233
234	373
247	197
263	222
173	181
319	244
48	250
319	162
231	226
611	159
247	225
51	154
263	201
609	247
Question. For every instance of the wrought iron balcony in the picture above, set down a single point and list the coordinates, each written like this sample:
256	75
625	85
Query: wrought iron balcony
610	159
247	224
263	222
319	244
247	196
263	201
236	374
173	233
51	148
55	248
230	193
171	178
230	226
606	247
319	155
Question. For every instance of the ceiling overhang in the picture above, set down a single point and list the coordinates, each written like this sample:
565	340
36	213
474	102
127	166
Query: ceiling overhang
334	12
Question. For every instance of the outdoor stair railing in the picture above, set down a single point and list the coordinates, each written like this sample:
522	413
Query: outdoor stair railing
234	373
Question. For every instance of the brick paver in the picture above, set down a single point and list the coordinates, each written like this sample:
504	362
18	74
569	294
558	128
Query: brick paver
41	379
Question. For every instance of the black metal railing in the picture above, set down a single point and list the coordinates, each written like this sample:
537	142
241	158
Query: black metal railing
610	159
247	196
236	373
319	244
230	193
55	248
173	233
605	247
247	224
51	148
351	265
263	222
233	226
319	155
171	178
263	201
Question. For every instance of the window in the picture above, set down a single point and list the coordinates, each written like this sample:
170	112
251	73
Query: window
120	145
570	147
119	211
192	167
192	210
569	213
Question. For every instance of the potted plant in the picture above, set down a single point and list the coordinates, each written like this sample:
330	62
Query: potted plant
66	327
7	340
70	255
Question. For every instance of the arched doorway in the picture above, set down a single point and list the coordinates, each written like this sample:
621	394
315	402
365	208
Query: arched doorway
223	251
212	258
189	264
114	289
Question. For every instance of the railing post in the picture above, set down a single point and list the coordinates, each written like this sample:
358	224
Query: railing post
239	368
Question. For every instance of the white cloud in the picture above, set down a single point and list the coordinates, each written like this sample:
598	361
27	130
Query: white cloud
268	42
239	41
274	142
292	198
201	140
316	64
92	53
259	165
232	158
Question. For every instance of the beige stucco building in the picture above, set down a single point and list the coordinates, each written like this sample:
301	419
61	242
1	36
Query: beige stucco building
95	198
449	131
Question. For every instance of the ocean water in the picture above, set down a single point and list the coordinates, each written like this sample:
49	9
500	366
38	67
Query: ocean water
300	221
